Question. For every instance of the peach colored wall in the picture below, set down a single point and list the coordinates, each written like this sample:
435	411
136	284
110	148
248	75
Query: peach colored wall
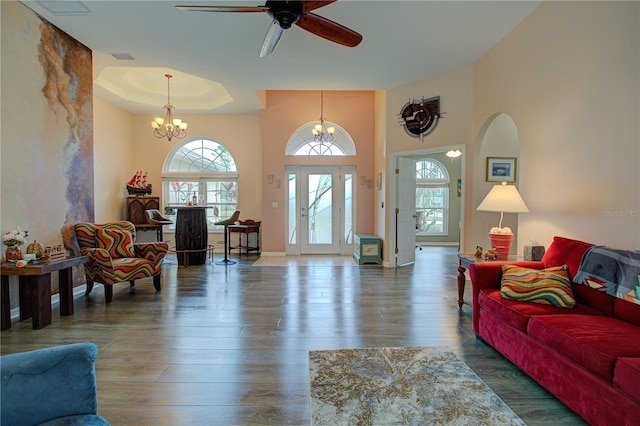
238	133
499	139
455	90
288	110
568	77
380	163
112	169
121	151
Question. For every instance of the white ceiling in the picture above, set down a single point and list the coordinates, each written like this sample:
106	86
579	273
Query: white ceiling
404	41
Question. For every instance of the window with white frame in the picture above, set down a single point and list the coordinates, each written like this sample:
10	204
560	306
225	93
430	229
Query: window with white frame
432	198
203	172
301	142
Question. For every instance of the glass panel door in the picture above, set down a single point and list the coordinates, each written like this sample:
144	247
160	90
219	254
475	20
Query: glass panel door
320	210
319	215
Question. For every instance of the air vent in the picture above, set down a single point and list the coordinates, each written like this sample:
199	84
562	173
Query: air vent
122	56
61	7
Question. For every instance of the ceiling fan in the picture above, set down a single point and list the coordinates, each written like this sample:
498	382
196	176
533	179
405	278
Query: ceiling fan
287	13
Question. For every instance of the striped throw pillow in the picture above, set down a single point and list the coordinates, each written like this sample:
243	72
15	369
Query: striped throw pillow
551	286
118	242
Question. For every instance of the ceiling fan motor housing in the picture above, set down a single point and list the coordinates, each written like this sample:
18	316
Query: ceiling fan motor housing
286	13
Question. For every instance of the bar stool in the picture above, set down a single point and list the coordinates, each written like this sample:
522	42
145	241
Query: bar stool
155	218
233	219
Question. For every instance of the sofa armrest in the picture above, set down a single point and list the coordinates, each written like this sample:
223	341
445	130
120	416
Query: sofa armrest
46	384
488	275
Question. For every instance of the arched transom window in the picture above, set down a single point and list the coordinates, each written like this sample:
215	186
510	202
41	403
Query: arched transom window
203	172
301	142
432	198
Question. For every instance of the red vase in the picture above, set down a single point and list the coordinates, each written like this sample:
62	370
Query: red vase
501	243
13	253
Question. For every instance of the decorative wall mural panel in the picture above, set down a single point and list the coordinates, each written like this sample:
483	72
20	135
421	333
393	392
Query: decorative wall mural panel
47	174
68	90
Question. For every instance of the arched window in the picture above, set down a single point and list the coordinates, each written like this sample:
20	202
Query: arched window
432	198
201	171
301	142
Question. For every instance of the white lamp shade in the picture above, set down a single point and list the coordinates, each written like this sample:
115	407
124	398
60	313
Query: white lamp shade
505	199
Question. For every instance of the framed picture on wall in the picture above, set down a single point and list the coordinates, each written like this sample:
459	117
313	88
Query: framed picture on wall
501	169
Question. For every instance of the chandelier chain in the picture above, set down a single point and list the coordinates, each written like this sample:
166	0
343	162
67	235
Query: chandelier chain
322	133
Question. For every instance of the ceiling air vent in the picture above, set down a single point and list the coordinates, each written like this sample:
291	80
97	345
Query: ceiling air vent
61	7
122	56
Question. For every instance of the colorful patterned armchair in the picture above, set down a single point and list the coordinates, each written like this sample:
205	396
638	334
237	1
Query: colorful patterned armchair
114	257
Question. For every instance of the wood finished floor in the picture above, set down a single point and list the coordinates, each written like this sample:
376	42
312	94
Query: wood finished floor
229	345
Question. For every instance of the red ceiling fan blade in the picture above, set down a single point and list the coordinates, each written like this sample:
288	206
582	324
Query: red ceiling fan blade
308	6
329	30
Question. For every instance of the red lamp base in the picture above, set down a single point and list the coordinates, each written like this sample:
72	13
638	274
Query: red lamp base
501	243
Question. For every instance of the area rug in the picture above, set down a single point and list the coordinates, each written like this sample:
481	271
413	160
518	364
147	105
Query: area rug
414	385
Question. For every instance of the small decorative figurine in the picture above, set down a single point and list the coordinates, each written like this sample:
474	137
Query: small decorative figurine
479	251
491	254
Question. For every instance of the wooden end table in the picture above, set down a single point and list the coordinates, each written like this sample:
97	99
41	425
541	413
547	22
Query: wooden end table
247	228
34	282
465	260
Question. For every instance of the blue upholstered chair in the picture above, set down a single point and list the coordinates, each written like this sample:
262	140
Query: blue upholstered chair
53	386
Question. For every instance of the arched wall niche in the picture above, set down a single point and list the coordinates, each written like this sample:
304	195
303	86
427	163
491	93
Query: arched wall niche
498	137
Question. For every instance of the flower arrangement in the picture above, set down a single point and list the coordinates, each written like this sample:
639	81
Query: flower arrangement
17	237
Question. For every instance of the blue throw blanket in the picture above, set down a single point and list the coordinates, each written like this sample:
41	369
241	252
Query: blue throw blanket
616	272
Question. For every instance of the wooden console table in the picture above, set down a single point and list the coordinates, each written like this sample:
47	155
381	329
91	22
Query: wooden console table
34	281
246	227
465	262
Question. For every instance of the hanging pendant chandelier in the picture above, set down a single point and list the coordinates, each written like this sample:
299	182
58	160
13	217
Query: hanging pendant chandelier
169	127
322	133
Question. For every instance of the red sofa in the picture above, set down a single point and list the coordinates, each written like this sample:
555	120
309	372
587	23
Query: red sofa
587	356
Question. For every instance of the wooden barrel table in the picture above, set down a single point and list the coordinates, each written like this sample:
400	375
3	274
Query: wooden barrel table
191	235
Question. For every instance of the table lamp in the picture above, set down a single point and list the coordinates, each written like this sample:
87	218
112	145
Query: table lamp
504	199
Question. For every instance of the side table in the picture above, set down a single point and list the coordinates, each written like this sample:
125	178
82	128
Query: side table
465	260
246	227
34	282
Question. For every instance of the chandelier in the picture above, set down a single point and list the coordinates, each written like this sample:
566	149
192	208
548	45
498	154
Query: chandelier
168	127
322	133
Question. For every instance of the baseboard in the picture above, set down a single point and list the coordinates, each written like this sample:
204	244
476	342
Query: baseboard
273	253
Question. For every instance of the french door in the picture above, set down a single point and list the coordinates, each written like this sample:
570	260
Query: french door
320	210
405	211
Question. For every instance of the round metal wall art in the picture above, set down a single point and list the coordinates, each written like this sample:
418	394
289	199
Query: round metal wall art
420	117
